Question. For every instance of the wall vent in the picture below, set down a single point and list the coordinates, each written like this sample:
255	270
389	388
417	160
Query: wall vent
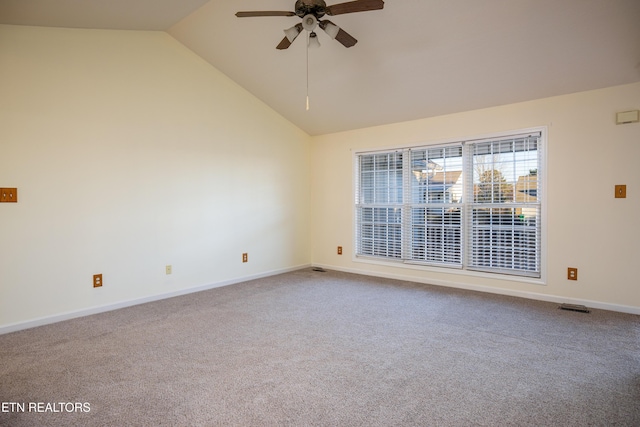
625	117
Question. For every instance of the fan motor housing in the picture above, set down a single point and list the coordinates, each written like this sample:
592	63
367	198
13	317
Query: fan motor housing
313	7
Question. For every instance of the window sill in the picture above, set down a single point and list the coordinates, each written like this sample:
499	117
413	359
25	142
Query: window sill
456	271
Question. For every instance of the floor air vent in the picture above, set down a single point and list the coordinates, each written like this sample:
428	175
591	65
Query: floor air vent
575	307
319	269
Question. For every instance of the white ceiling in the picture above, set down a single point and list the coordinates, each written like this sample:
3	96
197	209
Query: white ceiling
414	59
102	14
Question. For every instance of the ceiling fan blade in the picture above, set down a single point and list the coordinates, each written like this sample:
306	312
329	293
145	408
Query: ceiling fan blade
354	6
345	38
337	33
289	36
263	13
284	44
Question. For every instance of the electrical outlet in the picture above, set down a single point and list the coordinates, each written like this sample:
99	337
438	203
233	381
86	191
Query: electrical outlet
245	257
97	280
339	250
168	269
572	273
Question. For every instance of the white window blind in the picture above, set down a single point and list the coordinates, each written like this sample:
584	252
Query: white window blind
435	184
504	192
379	205
469	205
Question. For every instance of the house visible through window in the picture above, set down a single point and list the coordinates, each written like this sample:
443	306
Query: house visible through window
471	205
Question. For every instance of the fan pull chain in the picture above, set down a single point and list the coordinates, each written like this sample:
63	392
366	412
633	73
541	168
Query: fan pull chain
308	36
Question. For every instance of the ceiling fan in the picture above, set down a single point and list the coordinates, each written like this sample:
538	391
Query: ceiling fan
311	11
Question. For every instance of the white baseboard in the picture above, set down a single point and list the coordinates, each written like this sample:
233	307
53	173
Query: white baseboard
109	307
522	294
488	289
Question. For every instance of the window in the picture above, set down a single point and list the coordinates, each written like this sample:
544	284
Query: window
435	184
379	211
472	205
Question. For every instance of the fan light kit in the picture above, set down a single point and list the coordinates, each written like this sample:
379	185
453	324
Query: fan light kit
311	12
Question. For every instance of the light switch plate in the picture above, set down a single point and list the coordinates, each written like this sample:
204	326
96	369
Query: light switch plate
8	195
621	191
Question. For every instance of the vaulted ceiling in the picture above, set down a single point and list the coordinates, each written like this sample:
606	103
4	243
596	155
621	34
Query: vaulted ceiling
414	58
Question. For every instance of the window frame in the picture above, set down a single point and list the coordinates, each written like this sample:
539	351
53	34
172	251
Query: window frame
464	268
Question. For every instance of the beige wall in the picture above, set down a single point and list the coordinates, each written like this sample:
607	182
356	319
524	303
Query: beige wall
130	153
588	154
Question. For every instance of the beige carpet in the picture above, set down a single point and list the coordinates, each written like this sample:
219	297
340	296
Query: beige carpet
327	349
